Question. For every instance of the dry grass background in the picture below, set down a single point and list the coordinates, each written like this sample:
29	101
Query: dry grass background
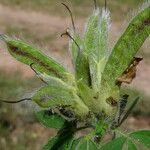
41	22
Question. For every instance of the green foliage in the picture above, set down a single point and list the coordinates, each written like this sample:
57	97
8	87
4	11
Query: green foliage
90	96
56	144
142	137
115	144
63	139
83	144
50	120
129	140
131	146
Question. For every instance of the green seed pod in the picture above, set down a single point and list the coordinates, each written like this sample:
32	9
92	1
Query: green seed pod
49	96
28	55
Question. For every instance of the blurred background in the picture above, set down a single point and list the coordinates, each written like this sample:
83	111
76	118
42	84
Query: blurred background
41	22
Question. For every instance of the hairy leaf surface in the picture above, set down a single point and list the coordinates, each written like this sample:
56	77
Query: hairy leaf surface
96	44
126	48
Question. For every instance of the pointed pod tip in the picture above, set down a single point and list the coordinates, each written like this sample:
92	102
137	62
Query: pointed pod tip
3	37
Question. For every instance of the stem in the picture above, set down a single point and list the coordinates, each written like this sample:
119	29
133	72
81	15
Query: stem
14	102
72	20
82	128
129	111
114	135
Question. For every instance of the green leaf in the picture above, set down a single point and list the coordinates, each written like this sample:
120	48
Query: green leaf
30	55
129	110
116	144
50	120
50	144
84	143
127	47
143	137
63	140
131	146
54	145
